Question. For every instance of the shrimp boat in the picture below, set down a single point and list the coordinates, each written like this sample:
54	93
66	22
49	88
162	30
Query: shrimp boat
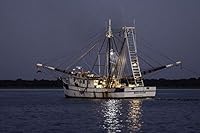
109	81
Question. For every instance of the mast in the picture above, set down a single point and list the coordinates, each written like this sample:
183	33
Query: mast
99	63
109	35
109	64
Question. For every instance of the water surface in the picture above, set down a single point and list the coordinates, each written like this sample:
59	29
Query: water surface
47	111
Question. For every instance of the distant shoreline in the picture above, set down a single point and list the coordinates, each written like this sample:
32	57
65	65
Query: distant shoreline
193	83
30	84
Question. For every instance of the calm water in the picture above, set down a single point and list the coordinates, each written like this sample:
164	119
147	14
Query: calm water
47	111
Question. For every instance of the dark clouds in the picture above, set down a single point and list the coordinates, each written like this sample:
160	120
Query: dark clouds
40	30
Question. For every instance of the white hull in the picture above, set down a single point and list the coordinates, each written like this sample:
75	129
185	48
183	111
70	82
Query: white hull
136	92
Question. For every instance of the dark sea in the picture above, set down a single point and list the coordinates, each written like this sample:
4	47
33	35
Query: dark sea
48	111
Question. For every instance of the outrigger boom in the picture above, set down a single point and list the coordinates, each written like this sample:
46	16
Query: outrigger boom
161	67
39	65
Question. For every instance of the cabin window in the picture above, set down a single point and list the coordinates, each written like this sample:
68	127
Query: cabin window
83	81
119	90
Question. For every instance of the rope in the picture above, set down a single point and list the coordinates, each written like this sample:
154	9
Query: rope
115	44
146	62
170	59
190	71
142	53
98	53
82	56
161	54
63	57
83	48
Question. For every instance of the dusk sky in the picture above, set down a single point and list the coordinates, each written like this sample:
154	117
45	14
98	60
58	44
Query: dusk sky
34	31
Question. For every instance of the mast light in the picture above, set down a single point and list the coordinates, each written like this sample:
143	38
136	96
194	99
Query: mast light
109	33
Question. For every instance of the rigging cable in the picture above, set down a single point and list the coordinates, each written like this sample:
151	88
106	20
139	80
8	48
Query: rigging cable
98	53
147	44
142	53
96	36
83	55
115	44
170	59
84	48
146	61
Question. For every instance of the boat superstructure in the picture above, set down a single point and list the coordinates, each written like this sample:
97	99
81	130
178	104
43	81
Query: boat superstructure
110	82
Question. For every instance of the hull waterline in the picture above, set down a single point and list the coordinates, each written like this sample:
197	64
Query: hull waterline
136	92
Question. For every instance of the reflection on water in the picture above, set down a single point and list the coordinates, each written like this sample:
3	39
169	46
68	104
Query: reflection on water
134	120
117	118
111	113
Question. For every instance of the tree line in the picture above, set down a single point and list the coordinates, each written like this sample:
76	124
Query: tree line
20	83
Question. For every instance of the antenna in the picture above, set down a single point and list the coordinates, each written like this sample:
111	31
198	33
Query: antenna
109	32
134	24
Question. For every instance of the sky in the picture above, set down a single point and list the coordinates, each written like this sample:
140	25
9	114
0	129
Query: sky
34	31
